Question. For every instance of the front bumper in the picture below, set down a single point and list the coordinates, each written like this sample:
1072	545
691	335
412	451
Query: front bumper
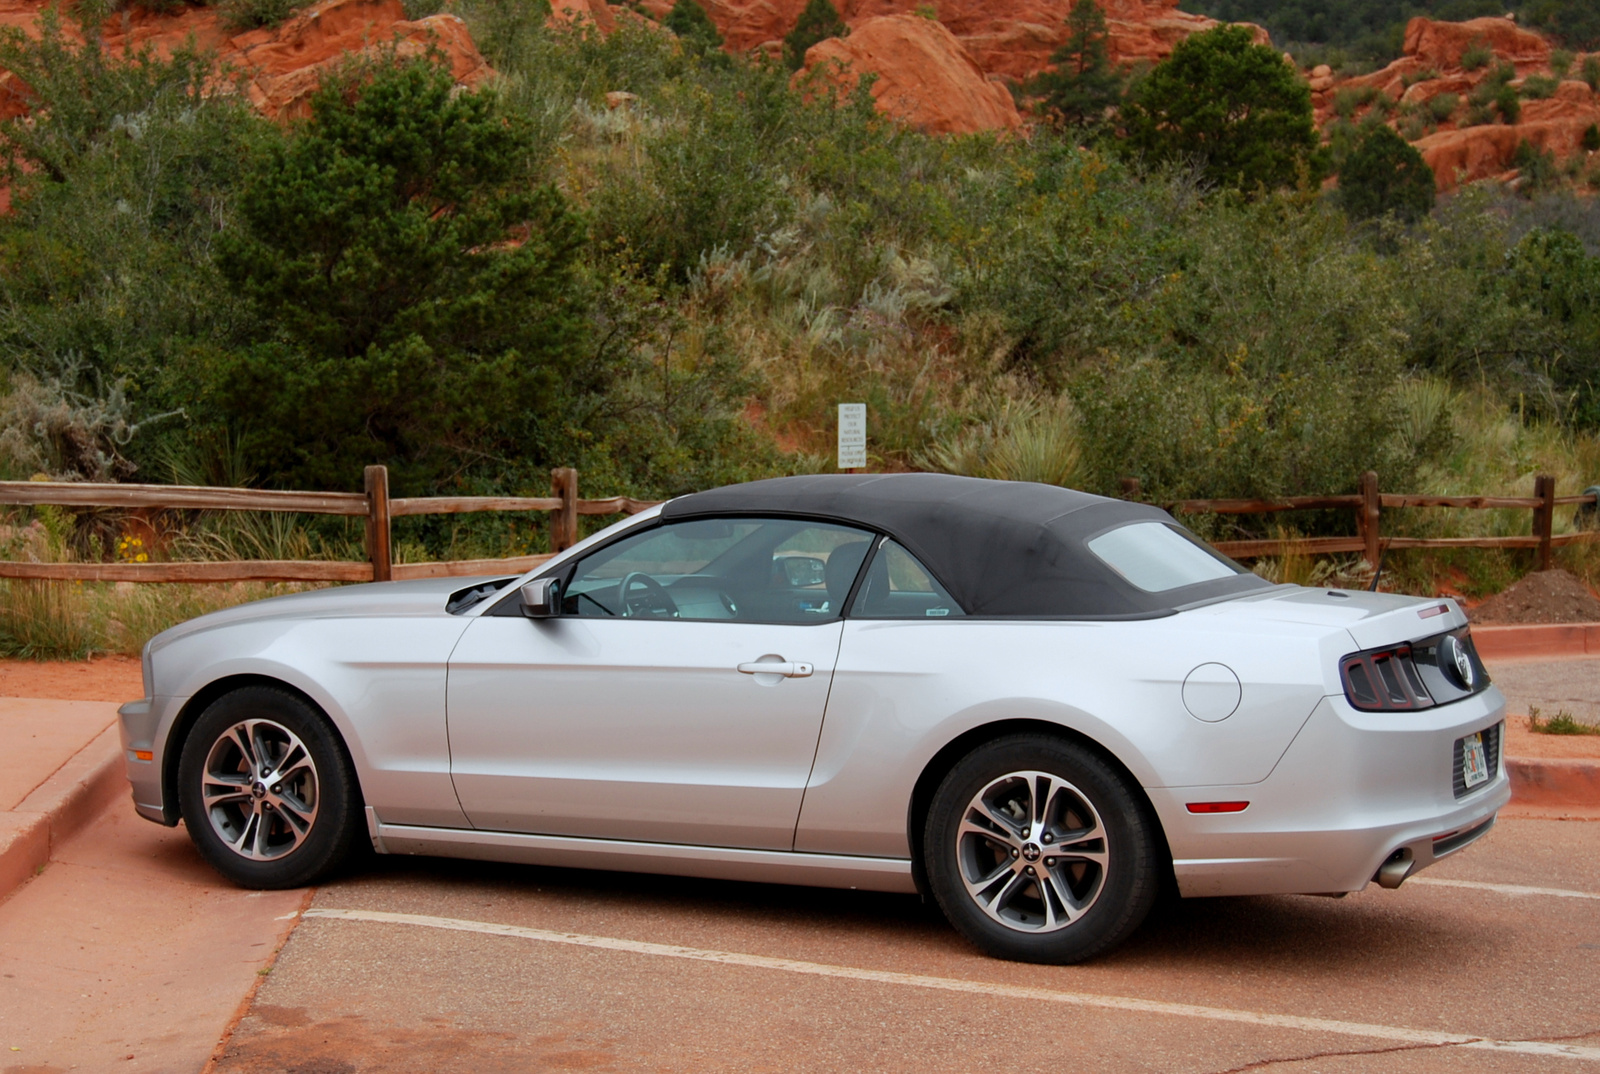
1355	793
145	725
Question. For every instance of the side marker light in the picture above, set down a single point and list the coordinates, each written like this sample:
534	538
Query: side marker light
144	755
1217	807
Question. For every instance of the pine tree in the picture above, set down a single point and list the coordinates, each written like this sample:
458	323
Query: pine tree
694	27
818	22
1083	84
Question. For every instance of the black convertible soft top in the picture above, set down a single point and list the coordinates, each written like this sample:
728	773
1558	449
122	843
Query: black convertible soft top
1002	548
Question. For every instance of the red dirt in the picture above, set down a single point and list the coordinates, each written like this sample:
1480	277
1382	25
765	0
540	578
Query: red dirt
106	678
1541	597
1520	742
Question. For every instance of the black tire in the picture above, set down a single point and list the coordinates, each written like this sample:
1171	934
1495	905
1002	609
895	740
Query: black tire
282	833
1098	851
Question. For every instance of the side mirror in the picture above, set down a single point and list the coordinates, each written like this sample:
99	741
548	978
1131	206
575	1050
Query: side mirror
541	598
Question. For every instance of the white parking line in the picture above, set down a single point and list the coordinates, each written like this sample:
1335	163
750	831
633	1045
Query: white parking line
949	984
1505	889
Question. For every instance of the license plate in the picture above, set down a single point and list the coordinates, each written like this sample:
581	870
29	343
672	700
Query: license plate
1474	761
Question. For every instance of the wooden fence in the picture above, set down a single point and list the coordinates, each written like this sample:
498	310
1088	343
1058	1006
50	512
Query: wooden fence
1369	504
564	506
375	505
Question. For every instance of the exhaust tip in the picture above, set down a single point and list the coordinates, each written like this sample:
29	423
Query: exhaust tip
1393	872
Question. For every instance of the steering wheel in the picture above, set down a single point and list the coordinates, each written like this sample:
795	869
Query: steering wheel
653	600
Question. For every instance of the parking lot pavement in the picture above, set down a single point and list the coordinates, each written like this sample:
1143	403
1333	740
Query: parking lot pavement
427	965
1552	685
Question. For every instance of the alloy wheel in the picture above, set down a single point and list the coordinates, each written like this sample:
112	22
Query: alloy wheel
260	789
1032	852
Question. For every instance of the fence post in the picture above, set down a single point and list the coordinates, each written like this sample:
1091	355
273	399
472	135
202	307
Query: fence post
1369	524
564	520
378	553
1544	488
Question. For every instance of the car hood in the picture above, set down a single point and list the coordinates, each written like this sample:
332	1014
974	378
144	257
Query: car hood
388	600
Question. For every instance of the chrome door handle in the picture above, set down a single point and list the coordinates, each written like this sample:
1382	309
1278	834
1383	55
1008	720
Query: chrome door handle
789	669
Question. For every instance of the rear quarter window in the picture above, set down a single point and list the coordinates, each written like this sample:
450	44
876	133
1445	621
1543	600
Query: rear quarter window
1157	557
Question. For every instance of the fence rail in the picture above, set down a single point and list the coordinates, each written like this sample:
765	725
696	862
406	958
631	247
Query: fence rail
374	505
1369	505
564	508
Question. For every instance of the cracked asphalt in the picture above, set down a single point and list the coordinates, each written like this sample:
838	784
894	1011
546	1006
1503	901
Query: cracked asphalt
495	968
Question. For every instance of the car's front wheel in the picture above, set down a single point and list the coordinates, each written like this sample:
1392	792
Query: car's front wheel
1038	851
266	790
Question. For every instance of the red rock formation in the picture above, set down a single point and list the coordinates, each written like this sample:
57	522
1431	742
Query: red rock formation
1440	44
1431	66
596	13
1013	38
284	64
925	76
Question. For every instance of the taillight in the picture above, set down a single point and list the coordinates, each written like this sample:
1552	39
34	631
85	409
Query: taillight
1384	680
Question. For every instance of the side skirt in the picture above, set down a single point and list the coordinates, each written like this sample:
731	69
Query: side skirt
715	863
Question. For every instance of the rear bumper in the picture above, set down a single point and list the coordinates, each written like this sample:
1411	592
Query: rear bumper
1354	793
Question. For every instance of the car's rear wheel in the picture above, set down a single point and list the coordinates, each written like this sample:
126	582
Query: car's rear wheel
1038	851
267	793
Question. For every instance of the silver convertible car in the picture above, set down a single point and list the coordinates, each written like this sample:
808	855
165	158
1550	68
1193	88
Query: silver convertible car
1037	705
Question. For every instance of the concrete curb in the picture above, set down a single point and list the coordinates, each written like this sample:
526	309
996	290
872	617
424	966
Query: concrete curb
1547	783
90	780
1540	641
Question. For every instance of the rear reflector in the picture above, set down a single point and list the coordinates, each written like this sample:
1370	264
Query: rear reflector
143	755
1217	807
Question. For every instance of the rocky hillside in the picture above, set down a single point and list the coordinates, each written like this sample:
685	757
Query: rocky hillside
283	64
952	74
1445	61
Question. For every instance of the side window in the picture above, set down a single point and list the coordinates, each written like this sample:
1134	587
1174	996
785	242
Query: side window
752	570
898	587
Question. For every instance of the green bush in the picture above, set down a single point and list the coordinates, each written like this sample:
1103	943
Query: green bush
1234	105
243	15
1561	61
689	21
1442	107
1591	138
819	21
1591	72
426	294
1385	175
1507	104
1476	56
1539	87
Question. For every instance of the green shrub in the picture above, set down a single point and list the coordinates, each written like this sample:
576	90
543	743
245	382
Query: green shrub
1561	62
1427	74
243	15
1385	175
1591	138
1476	56
408	329
1507	105
1442	107
1539	87
1234	105
1591	72
689	21
819	21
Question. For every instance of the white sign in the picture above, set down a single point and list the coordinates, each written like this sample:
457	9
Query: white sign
852	436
